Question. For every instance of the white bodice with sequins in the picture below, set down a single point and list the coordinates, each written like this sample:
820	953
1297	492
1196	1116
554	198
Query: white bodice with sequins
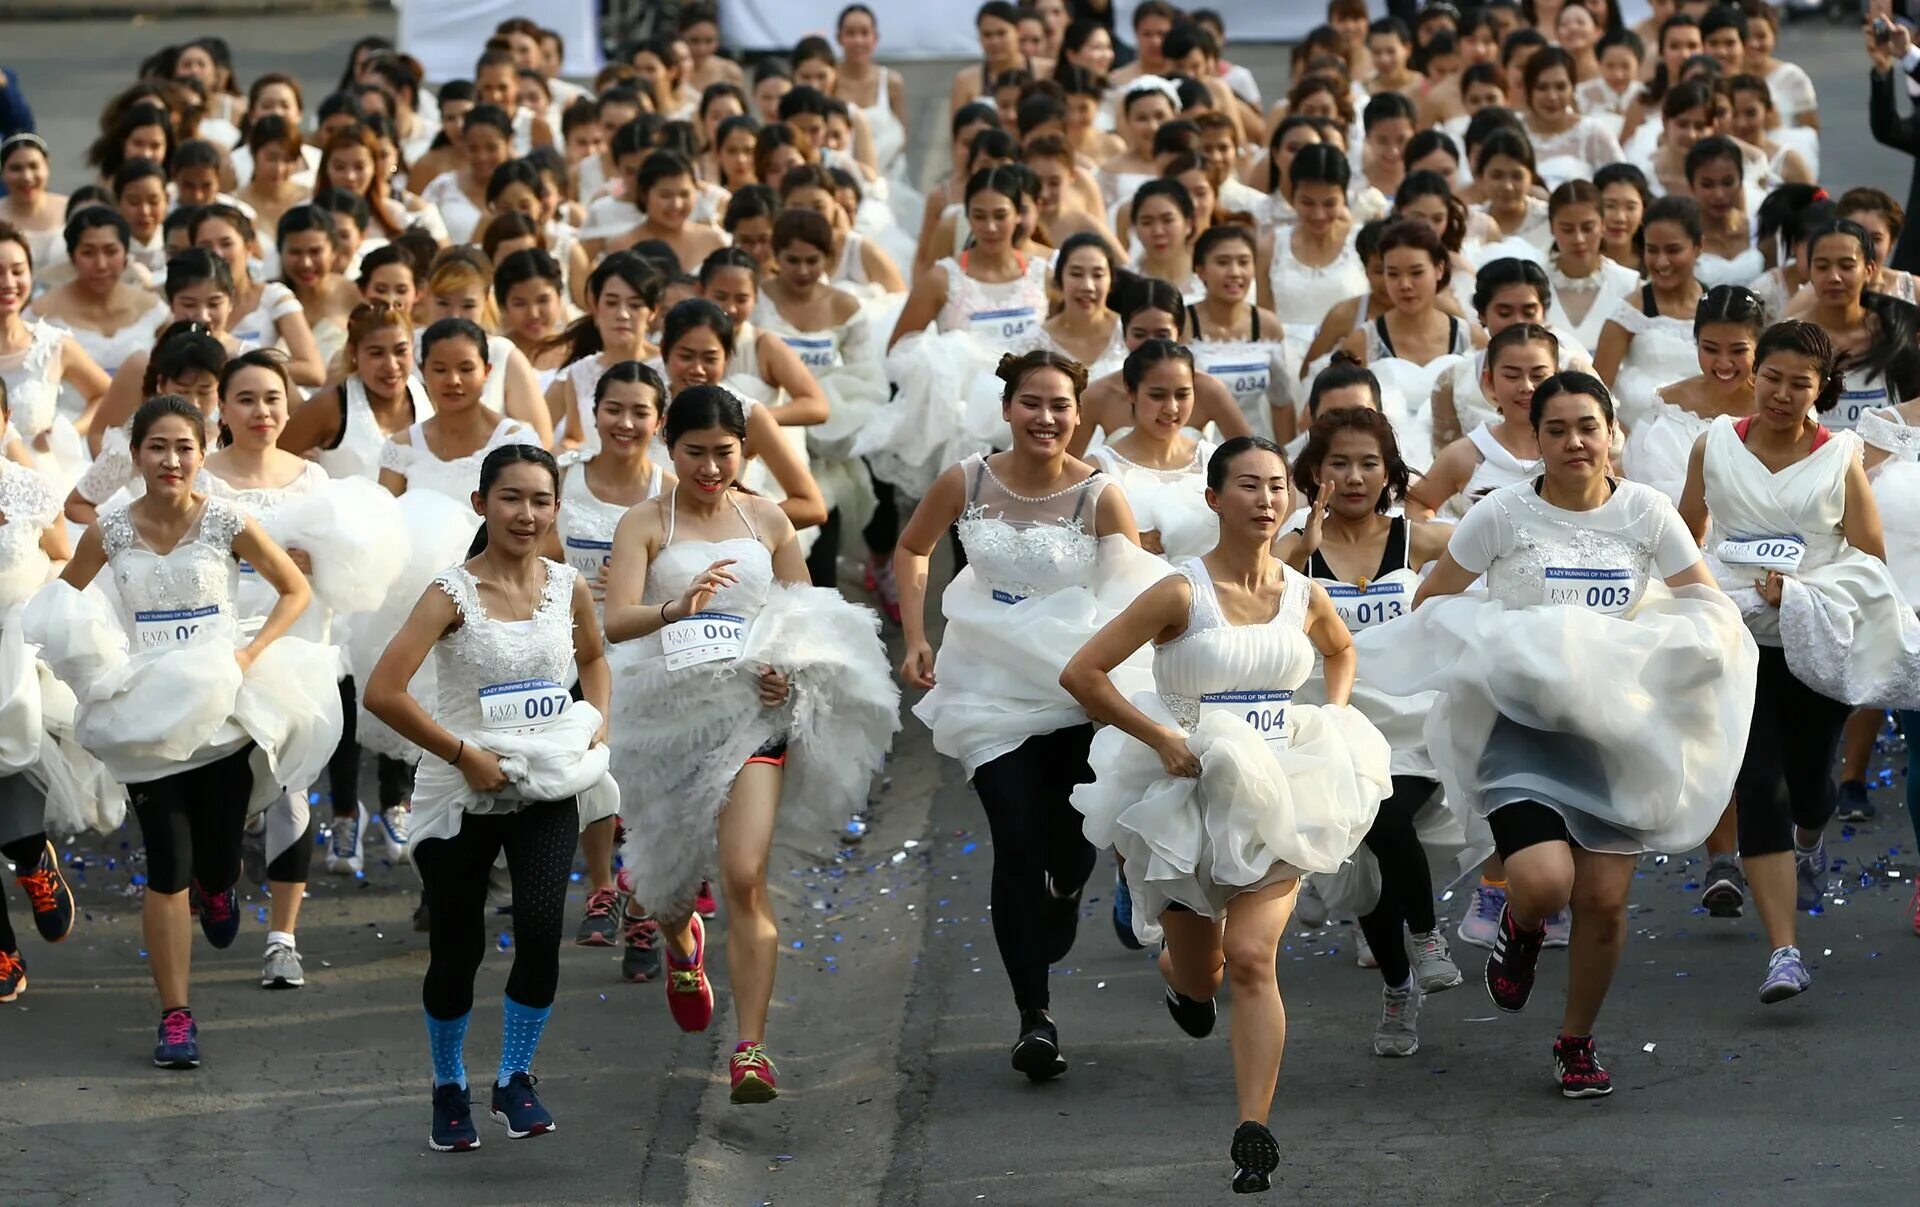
1303	295
485	651
1544	535
357	454
27	508
1023	547
1213	655
110	351
254	596
586	521
971	302
458	478
198	572
32	378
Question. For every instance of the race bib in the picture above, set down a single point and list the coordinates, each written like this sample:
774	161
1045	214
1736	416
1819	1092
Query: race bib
1264	711
816	352
1006	597
1782	553
1244	379
1608	591
588	557
702	638
1004	326
246	567
1364	607
522	706
1845	416
172	629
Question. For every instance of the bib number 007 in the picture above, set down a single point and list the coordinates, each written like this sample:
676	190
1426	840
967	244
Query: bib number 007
522	706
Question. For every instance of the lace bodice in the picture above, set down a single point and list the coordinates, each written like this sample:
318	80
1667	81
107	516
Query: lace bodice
261	327
455	479
485	651
1303	295
1213	656
1587	141
1549	548
1602	292
199	572
1888	430
29	507
1006	315
1662	347
357	454
1019	547
253	596
32	377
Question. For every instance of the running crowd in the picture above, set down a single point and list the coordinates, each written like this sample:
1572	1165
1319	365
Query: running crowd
1499	452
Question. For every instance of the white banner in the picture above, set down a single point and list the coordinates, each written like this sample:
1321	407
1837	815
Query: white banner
447	36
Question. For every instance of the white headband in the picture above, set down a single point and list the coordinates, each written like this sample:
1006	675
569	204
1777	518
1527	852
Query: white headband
1153	83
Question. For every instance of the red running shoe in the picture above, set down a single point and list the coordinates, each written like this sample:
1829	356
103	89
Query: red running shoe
1579	1069
689	995
753	1075
1516	955
703	902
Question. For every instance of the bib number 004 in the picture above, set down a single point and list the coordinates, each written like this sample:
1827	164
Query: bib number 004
1265	712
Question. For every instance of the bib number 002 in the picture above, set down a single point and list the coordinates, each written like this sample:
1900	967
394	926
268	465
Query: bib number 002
1782	553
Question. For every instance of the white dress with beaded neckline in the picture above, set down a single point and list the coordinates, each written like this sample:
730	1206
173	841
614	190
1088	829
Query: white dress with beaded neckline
162	693
1302	295
32	379
1284	789
681	733
1662	352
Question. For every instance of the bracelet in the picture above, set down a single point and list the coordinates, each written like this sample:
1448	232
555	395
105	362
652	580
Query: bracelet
455	760
663	613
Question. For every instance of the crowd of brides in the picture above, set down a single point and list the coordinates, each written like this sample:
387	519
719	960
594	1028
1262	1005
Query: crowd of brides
1497	455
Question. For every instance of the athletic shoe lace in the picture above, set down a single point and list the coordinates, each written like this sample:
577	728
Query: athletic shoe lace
346	836
1398	1006
1783	961
600	903
218	907
1431	946
1578	1064
640	932
753	1058
1488	904
176	1028
10	965
43	889
685	980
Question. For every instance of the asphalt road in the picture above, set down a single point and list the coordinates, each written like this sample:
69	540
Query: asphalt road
891	1018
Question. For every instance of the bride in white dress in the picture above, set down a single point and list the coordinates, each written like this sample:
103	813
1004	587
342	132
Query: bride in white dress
1215	788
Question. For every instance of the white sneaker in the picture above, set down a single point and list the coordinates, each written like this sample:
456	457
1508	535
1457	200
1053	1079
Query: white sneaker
396	825
1362	950
282	969
1398	1033
346	854
1310	909
1560	929
1481	924
1433	966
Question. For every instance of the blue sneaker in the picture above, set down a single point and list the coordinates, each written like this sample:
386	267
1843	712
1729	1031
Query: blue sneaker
1854	805
1787	976
219	915
1481	924
1123	912
518	1107
179	1046
453	1130
1810	874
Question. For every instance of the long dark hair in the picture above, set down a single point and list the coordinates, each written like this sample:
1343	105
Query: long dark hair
1892	355
582	338
495	464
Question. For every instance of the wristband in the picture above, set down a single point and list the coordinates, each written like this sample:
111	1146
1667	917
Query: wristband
455	760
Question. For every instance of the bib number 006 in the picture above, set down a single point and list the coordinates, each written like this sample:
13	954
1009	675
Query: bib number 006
702	638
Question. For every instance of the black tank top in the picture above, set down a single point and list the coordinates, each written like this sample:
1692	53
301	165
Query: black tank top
1393	557
1193	321
1386	341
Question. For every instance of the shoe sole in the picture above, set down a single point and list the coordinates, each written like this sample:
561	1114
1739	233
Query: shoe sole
1459	979
1779	993
543	1130
752	1091
1495	998
1723	899
1379	1051
340	868
1589	1092
1254	1159
176	1064
593	940
1857	815
1173	1009
18	989
1038	1059
280	982
464	1146
1474	941
639	978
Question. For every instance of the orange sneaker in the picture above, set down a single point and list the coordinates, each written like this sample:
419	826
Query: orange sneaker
13	979
52	900
689	995
753	1074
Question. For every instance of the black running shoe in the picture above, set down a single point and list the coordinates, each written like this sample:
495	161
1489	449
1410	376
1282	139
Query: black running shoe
453	1130
1579	1070
517	1108
1510	970
1037	1052
1256	1154
1062	920
49	895
1195	1018
1726	893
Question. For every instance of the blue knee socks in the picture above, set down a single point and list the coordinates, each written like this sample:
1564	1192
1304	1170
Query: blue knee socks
445	1038
520	1036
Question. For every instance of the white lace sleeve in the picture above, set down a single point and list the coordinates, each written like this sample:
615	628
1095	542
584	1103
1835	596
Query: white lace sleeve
111	470
1883	433
396	457
1628	316
222	522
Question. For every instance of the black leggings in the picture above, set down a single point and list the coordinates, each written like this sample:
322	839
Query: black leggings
343	769
192	823
1406	883
539	839
24	854
1526	823
1036	833
882	532
823	563
1786	777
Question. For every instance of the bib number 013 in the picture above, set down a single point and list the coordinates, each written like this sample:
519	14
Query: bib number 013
1364	607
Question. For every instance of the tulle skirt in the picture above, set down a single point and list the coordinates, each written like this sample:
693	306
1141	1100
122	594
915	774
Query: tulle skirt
1896	487
352	531
997	676
1177	510
555	763
679	738
946	409
437	532
1631	727
156	713
1252	818
1406	394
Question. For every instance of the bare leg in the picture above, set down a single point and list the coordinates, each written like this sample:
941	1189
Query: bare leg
1256	922
1856	742
1600	884
283	912
168	930
1539	883
1771	880
596	843
753	936
1192	962
1725	838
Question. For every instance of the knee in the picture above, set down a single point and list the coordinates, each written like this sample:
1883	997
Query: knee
1250	961
1543	890
1601	909
745	888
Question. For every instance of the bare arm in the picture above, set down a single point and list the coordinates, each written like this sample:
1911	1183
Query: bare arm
1693	496
1213	403
922	307
385	694
881	269
1448	578
781	366
521	398
589	654
87	560
929	522
315	425
1614	342
273	565
1159	614
804	504
303	352
1330	636
1861	523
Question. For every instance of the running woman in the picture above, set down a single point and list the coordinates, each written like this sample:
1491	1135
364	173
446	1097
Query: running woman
1217	790
740	661
1585	715
201	741
509	754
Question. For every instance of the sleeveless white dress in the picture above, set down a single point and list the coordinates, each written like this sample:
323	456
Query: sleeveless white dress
1896	488
162	693
1496	469
947	404
846	361
1471	406
112	351
1039	581
1612	283
1846	629
1576	152
1302	295
585	375
1406	388
356	453
1577	679
1259	373
684	723
32	378
501	685
1662	352
1285	789
1170	502
1712	269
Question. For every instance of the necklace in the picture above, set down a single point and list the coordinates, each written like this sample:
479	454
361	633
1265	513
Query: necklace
512	604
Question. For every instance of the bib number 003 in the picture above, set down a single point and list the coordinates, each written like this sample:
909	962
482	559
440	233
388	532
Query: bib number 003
1608	591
